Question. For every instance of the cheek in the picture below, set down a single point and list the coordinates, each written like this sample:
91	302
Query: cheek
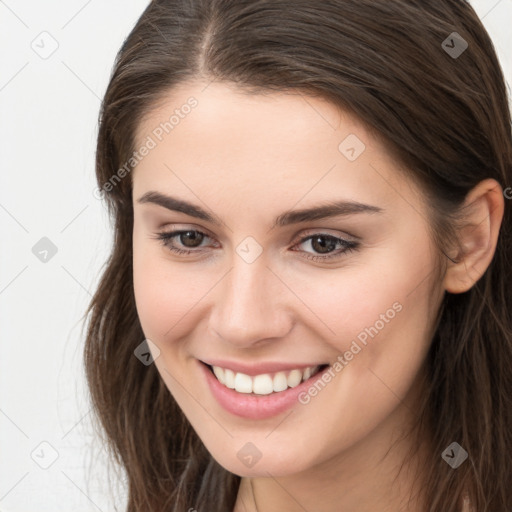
165	295
381	318
379	312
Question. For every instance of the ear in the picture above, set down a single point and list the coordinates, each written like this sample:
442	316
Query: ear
478	235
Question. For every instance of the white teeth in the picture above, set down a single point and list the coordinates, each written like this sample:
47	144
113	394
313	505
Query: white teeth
243	383
294	378
263	384
229	379
219	373
280	381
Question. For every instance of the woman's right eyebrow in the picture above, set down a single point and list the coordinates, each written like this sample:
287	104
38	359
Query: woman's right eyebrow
327	209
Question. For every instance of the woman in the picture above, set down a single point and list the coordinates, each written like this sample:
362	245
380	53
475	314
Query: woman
307	305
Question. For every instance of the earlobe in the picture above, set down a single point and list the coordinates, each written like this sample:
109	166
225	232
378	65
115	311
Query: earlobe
478	236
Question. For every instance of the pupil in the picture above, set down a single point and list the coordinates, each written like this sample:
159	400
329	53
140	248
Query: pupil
193	235
320	247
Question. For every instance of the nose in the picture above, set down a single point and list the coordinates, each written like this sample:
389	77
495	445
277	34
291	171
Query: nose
250	305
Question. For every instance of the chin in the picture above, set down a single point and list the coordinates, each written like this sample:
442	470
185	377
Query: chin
248	461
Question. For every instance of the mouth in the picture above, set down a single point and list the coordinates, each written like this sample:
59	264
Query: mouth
265	383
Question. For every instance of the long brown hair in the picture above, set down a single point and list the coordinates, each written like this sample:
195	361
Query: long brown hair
444	116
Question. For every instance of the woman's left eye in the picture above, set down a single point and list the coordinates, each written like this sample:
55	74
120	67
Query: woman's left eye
324	244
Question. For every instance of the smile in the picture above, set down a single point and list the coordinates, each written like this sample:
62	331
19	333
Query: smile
266	383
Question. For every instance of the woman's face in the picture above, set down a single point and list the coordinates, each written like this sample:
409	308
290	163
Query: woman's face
307	247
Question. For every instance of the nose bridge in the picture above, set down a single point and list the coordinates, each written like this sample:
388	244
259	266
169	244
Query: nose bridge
246	308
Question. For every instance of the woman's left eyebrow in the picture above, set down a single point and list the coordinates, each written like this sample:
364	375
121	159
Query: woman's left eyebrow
325	210
321	211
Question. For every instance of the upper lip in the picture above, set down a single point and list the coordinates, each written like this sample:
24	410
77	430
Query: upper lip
258	368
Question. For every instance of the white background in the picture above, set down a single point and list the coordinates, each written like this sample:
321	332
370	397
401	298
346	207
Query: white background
48	122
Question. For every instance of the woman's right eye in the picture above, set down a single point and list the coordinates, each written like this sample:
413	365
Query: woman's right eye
190	238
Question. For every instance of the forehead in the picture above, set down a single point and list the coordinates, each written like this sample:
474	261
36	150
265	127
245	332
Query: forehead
231	120
264	149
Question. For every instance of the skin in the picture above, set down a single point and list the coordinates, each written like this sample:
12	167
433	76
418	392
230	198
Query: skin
248	159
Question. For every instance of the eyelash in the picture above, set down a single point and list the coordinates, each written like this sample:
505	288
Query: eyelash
166	238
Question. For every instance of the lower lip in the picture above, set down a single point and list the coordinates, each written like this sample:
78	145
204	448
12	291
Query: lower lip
255	407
